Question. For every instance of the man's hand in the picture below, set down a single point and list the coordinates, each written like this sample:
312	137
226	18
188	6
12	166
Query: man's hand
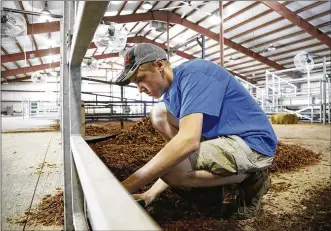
180	147
144	196
153	192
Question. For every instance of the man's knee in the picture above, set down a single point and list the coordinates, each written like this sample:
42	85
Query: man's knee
174	182
174	179
159	116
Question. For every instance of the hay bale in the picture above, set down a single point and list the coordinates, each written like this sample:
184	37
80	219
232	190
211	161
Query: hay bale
284	119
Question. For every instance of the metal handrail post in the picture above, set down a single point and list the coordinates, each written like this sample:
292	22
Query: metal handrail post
65	119
329	103
321	101
324	90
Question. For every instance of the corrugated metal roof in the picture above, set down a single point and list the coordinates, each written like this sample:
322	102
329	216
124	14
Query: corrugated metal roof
251	24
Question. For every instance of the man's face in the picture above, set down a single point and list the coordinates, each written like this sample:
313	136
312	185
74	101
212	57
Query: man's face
151	83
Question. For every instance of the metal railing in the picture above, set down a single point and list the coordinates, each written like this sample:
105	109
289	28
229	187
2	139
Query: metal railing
94	198
311	103
280	95
257	92
98	110
109	205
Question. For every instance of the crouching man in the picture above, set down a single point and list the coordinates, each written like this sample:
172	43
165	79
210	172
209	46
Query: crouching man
217	134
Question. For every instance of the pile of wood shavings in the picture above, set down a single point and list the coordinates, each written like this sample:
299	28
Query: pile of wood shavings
131	149
106	128
92	130
290	157
48	212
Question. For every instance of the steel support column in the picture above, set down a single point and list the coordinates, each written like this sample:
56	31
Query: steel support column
89	15
203	47
324	90
221	36
168	45
65	120
75	99
122	98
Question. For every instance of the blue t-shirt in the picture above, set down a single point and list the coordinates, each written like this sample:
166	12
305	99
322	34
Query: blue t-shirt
200	86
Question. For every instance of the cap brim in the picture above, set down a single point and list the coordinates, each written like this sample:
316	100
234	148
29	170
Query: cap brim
123	78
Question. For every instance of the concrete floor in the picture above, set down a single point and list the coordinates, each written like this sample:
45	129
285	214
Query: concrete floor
15	123
22	187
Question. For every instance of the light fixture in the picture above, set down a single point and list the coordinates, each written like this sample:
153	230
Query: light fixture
231	60
147	5
46	14
271	48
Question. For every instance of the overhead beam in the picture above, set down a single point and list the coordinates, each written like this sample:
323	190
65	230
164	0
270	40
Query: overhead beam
16	79
105	56
54	51
46	66
45	52
141	39
21	56
89	15
40	53
300	22
174	18
4	66
39	28
24	70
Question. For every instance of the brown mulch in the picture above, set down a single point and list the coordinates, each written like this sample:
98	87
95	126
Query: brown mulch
200	208
56	126
93	130
173	214
99	128
185	209
48	212
290	157
106	128
132	148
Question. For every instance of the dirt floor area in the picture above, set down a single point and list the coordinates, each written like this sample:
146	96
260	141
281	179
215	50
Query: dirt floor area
106	128
298	199
301	200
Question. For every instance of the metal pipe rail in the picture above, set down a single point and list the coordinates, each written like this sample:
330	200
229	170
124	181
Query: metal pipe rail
86	178
106	82
114	116
107	102
107	200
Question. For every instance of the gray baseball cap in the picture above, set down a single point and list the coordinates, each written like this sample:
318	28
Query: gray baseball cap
136	56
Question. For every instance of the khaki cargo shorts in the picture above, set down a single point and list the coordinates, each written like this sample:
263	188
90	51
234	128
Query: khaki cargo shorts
228	155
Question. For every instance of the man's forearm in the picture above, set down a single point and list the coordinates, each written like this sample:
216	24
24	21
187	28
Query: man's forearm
173	153
157	188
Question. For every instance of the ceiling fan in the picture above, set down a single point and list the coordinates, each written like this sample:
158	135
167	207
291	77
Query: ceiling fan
191	5
272	47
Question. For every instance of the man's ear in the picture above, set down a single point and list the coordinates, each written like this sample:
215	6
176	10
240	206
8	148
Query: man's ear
159	64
